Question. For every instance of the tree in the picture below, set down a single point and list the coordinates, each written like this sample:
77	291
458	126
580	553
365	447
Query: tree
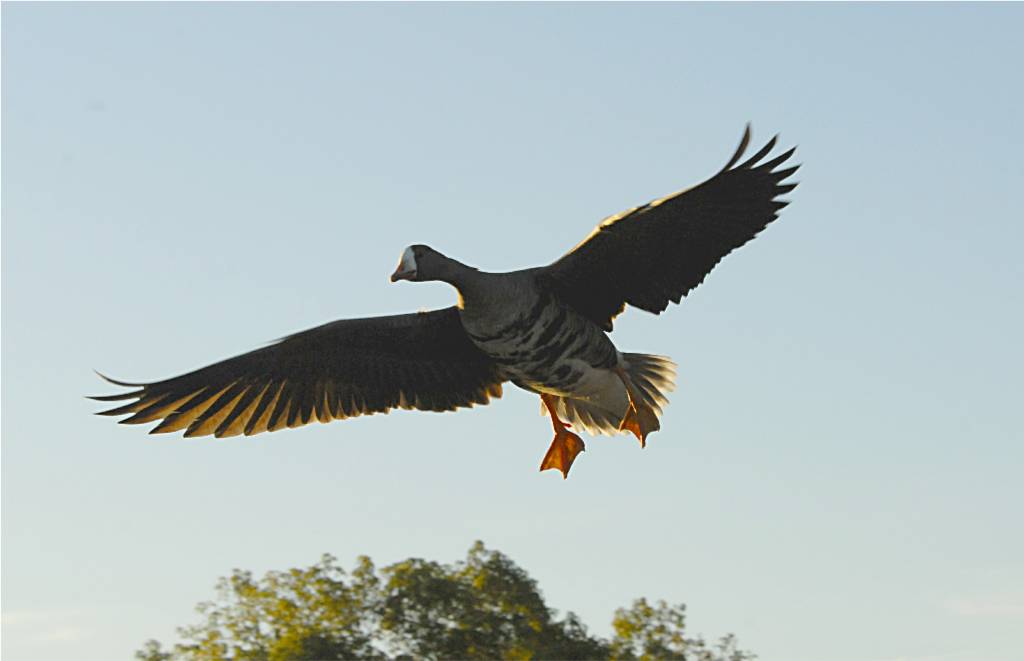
484	607
656	632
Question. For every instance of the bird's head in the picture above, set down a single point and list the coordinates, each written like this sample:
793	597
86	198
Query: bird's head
420	263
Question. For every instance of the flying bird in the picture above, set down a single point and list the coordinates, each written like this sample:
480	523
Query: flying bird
545	329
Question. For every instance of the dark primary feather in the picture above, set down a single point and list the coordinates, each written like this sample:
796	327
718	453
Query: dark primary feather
341	369
658	252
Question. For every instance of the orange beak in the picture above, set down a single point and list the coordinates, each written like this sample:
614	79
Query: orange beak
400	274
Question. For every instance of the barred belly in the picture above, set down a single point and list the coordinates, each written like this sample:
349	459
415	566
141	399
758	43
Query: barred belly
545	347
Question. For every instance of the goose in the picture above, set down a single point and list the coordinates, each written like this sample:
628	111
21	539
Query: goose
543	329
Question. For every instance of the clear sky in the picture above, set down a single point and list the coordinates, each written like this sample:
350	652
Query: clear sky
839	473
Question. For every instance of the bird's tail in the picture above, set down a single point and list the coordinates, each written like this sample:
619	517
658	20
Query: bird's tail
652	376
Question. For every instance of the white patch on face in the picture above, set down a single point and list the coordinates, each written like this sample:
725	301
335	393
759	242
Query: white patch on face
408	262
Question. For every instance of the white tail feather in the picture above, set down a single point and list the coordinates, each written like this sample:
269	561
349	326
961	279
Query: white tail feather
653	376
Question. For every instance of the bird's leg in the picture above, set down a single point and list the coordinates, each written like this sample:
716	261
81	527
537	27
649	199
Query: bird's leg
566	444
640	418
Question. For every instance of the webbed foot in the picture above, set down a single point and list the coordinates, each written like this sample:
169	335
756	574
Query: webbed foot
640	418
640	422
564	448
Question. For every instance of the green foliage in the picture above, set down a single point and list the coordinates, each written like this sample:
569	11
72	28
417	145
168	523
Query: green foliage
485	607
647	632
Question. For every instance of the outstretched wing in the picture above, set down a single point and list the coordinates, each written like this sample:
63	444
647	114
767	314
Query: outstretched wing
339	370
658	252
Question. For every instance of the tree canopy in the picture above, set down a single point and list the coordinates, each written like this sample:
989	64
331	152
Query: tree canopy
484	607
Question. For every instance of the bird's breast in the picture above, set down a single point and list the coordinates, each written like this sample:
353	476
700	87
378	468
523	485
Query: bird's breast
541	344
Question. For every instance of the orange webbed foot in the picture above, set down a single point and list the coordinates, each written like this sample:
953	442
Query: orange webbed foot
563	451
565	446
640	422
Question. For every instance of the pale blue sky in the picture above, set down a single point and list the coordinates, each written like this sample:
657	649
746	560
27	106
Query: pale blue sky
839	474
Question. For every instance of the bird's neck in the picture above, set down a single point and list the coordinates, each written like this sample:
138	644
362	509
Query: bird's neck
467	280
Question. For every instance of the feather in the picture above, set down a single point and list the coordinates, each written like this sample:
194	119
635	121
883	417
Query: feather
682	237
340	369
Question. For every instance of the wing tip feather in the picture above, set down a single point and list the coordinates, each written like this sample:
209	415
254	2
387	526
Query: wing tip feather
116	382
744	143
752	162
